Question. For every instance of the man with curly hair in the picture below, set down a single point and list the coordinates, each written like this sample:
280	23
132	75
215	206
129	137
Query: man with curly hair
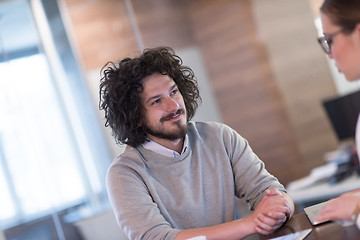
176	178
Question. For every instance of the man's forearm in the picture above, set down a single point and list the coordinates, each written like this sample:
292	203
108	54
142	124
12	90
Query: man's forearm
237	229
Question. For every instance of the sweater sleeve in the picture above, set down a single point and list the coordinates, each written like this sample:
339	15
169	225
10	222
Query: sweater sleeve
134	209
251	177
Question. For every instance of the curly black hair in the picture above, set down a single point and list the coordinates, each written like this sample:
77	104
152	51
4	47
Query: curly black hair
120	89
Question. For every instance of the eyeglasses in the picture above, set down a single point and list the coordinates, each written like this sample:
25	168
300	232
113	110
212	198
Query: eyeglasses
326	41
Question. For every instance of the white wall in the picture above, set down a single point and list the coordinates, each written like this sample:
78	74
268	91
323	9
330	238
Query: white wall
2	236
100	227
208	110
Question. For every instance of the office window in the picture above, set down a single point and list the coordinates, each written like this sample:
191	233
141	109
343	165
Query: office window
52	151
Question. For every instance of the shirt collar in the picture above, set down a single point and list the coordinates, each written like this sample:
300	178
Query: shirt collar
155	147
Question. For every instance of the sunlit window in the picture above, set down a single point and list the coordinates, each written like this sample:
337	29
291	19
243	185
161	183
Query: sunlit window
36	144
52	154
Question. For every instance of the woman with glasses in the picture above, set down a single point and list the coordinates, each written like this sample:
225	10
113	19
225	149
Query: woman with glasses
341	42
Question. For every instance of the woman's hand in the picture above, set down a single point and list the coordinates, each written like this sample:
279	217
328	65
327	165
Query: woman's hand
340	208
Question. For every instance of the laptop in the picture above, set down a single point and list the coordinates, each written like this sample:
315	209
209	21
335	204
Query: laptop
313	211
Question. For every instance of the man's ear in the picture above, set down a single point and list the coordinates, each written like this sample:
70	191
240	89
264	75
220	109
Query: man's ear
357	30
357	34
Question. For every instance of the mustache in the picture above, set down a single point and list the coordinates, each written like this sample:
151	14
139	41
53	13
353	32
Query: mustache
171	115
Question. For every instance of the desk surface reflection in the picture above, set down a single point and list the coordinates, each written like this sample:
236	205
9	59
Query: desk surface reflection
325	231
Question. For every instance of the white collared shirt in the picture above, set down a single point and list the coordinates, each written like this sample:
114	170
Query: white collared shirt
155	147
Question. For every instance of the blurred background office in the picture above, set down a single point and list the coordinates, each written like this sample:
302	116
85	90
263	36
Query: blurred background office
259	67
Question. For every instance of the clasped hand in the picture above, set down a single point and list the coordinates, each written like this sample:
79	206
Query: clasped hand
271	212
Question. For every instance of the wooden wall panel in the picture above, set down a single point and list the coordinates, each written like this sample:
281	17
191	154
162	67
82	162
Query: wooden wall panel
163	23
102	30
301	72
243	82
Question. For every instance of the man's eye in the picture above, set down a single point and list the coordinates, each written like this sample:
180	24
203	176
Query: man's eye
174	91
156	101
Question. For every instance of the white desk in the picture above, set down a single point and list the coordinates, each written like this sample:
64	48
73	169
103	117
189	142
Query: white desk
323	191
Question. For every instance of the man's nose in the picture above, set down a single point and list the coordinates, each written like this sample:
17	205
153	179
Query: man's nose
171	104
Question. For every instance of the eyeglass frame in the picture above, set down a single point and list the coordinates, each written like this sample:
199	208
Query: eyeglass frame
327	39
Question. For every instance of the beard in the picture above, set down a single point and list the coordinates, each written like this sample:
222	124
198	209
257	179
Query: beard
160	132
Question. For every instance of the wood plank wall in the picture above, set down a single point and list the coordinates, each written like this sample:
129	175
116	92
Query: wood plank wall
243	82
301	72
236	58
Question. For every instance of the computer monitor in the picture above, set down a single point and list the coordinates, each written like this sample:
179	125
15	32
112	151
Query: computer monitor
343	113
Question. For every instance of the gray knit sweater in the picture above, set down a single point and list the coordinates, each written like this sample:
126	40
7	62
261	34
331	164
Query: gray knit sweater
154	197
